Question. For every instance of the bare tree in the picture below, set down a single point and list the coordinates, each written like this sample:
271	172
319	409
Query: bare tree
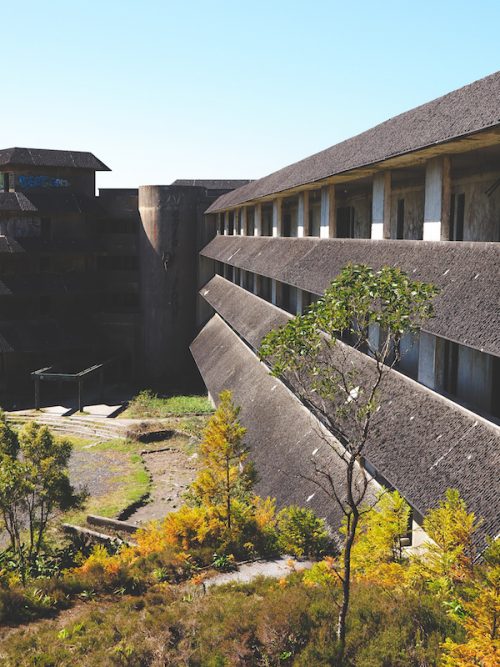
372	312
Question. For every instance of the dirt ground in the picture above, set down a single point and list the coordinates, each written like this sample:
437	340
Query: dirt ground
171	470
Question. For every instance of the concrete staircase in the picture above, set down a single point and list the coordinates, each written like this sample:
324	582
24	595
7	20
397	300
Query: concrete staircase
83	426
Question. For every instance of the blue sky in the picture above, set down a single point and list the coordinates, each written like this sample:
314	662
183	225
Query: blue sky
161	90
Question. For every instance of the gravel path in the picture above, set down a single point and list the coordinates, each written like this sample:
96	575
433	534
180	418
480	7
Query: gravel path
281	567
96	470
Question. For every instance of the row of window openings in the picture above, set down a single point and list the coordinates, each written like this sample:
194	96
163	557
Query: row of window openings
346	222
287	298
48	305
104	263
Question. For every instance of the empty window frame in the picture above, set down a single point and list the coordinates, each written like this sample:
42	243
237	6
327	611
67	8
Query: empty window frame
450	367
267	220
4	182
314	213
250	222
345	222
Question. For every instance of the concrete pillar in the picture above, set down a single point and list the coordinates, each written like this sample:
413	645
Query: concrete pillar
303	215
299	303
243	228
437	199
328	228
258	220
381	206
274	293
226	223
278	217
219	222
236	214
374	337
242	278
256	284
430	361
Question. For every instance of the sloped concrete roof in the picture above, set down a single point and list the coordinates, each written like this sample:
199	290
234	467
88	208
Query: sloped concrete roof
462	112
421	442
467	308
43	157
282	435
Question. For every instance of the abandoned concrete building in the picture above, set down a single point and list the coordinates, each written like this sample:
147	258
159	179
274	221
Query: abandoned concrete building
421	192
86	279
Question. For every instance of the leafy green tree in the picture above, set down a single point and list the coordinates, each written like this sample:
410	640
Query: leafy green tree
34	485
371	311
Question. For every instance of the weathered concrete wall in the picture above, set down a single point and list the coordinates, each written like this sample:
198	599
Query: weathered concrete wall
474	378
168	275
482	207
413	212
362	215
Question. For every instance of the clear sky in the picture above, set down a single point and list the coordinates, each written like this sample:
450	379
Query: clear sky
161	90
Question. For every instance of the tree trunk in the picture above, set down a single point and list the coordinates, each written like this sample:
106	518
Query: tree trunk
346	584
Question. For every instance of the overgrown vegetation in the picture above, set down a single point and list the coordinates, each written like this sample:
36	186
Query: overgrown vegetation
399	617
147	603
34	484
147	404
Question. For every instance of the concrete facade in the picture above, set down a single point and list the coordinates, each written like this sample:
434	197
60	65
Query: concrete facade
420	192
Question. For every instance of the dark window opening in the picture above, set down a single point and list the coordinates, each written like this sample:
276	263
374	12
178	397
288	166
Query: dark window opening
45	305
117	263
229	272
450	367
267	222
250	223
265	288
495	388
4	182
457	212
219	268
283	296
45	264
287	224
345	222
231	225
400	220
45	228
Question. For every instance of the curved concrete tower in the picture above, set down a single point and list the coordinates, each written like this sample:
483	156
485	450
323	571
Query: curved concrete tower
168	282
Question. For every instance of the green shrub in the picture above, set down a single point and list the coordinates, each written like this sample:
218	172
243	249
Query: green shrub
149	404
301	533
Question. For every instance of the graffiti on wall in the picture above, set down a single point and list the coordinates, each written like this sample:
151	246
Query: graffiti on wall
42	182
